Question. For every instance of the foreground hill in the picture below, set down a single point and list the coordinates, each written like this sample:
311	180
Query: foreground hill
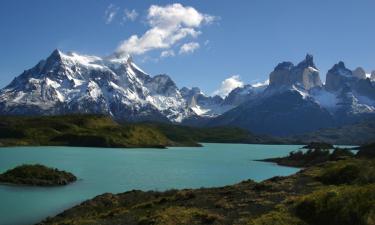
102	131
337	193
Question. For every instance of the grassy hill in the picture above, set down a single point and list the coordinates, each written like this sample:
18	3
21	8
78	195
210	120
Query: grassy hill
77	130
102	131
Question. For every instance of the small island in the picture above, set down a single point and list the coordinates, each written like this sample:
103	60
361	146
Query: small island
37	175
317	153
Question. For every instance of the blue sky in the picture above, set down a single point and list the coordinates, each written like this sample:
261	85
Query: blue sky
244	38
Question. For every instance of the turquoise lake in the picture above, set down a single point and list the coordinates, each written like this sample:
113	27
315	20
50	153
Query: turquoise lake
101	170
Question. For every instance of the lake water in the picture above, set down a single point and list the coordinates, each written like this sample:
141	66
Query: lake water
103	170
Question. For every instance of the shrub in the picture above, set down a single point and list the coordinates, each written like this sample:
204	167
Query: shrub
276	218
340	174
345	205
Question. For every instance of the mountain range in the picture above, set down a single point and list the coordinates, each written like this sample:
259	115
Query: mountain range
293	100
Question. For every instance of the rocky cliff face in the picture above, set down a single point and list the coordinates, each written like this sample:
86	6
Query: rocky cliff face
343	81
338	77
305	74
359	73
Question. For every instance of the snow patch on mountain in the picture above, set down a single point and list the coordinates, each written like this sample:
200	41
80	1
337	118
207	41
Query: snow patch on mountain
325	99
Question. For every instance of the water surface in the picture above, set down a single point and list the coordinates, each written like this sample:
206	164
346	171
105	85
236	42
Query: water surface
101	170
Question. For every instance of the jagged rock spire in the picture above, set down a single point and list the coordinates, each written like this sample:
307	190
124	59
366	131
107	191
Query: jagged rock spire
305	74
307	62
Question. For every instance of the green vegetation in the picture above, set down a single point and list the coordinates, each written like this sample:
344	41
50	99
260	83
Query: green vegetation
318	145
348	171
102	131
336	192
37	175
310	157
188	135
277	218
344	205
77	130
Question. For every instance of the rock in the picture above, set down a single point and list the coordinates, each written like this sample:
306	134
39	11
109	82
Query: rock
203	105
360	73
305	74
341	79
338	77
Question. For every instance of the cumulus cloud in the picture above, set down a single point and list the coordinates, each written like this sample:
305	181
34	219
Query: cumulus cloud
189	47
167	53
169	25
228	85
130	15
110	13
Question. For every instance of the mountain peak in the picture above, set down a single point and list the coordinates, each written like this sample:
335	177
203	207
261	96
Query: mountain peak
309	57
360	73
56	54
305	74
337	77
341	64
284	66
307	62
117	56
340	69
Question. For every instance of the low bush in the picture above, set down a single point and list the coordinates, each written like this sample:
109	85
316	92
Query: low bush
344	205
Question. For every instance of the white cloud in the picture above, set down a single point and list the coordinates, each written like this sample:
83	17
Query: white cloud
167	53
110	13
189	47
228	85
130	15
168	25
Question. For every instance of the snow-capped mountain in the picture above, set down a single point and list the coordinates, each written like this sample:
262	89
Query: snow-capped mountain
71	83
296	101
202	104
293	99
212	106
245	93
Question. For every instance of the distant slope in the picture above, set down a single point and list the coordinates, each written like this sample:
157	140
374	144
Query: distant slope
354	134
102	131
77	130
188	134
